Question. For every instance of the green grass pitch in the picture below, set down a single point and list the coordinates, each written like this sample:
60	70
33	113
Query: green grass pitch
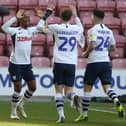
44	114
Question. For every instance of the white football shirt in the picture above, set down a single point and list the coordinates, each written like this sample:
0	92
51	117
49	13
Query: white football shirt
102	37
22	41
65	44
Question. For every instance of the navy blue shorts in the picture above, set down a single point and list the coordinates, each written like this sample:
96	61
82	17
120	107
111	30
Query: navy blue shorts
64	74
19	72
101	70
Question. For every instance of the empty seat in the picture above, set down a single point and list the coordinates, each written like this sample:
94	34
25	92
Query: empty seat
27	4
38	39
53	20
2	39
119	63
1	50
50	51
40	62
120	40
121	5
124	25
122	15
107	5
12	4
34	20
65	4
83	14
118	53
113	23
82	62
37	51
43	4
87	22
49	40
4	61
86	5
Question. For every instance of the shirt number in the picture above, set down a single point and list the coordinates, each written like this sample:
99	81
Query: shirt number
103	43
71	42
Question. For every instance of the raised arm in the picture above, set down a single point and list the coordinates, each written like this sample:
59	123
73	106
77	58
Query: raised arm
77	20
6	27
43	16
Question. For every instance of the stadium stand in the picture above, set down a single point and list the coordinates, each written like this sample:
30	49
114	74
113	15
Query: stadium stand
34	20
27	4
43	4
115	11
113	23
123	25
53	19
107	5
86	5
49	39
2	43
40	61
11	4
119	63
4	61
118	53
38	45
61	4
82	62
120	40
37	51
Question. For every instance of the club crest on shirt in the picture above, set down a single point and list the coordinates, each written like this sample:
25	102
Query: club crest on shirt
91	37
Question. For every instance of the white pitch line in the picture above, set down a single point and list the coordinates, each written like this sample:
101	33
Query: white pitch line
101	110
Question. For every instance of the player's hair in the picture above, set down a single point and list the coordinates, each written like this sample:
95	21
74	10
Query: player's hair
66	14
98	13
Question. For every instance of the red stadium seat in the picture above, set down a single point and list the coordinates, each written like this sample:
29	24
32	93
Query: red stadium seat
119	63
107	5
87	22
40	62
1	50
53	20
113	23
28	4
34	20
121	5
120	40
50	51
4	61
86	5
38	39
49	40
122	15
37	51
65	4
118	53
30	12
82	62
46	3
2	39
12	4
83	14
124	25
